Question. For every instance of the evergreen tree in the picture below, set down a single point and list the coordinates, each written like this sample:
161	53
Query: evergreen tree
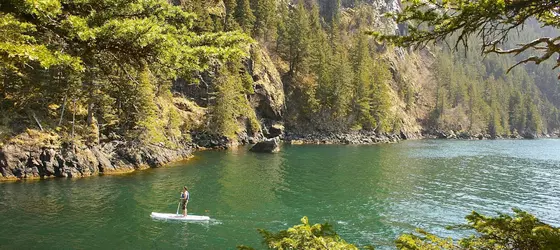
331	10
534	120
381	102
265	19
363	84
231	103
518	117
282	27
230	22
244	15
490	21
342	84
98	57
296	41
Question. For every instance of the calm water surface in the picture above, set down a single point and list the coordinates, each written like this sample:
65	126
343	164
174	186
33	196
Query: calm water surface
370	193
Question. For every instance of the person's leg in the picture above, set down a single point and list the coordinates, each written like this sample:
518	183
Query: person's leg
184	209
186	203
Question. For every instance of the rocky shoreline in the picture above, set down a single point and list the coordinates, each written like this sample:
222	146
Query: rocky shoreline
462	135
370	137
33	158
358	137
30	157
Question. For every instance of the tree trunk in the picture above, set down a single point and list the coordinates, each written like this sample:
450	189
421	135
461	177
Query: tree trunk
62	113
91	105
37	121
73	116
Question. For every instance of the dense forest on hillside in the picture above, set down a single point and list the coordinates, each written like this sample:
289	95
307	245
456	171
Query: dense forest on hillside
475	92
93	71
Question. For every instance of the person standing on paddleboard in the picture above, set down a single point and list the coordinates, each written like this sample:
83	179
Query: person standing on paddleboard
185	196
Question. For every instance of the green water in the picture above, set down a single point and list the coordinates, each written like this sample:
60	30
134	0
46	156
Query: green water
370	193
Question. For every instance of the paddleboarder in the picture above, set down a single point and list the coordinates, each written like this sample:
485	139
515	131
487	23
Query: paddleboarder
185	196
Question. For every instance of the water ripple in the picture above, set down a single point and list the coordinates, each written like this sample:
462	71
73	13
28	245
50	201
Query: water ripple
371	194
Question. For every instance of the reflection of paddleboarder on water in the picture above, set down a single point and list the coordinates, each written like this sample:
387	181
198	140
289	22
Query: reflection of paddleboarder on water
185	196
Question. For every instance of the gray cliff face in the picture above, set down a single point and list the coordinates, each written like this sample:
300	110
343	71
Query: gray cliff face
387	5
383	23
268	99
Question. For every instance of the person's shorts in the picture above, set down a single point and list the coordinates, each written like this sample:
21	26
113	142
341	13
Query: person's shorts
184	204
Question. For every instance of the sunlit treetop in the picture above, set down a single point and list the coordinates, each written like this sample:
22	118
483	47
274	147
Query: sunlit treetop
85	33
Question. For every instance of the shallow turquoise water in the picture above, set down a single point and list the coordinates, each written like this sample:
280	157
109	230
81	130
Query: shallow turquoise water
370	193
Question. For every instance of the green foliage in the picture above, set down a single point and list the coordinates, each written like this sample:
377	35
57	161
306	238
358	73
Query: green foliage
336	81
297	39
104	68
381	103
523	231
480	97
149	124
423	240
244	15
115	57
18	47
230	23
331	10
265	19
281	26
304	236
231	103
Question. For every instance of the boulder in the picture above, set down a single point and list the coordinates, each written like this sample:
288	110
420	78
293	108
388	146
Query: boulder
440	134
465	135
296	142
530	135
275	130
451	135
267	146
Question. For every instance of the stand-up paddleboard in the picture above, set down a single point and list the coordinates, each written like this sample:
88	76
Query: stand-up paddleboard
180	217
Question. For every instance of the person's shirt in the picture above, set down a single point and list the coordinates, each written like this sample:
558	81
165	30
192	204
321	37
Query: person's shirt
185	195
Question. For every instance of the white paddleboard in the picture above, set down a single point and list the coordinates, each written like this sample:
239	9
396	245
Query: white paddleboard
164	216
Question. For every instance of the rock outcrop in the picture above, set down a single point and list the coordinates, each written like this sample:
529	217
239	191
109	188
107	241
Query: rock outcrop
30	157
267	146
358	137
268	99
275	130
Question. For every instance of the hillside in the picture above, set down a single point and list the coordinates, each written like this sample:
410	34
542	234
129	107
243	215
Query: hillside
133	88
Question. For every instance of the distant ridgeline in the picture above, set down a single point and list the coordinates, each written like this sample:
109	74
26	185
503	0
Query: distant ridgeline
216	73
